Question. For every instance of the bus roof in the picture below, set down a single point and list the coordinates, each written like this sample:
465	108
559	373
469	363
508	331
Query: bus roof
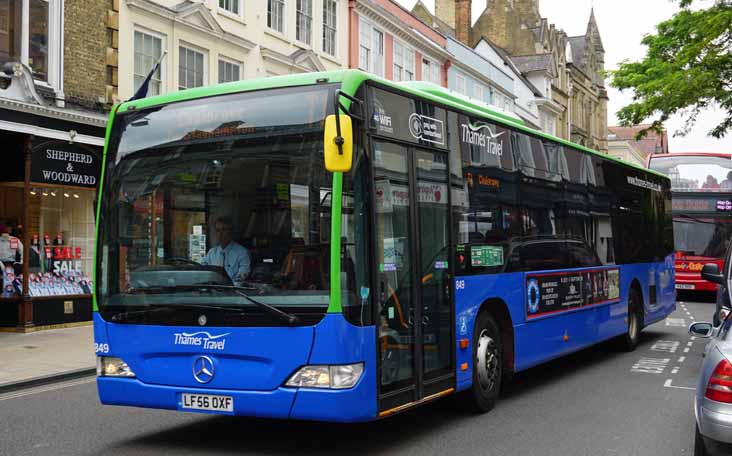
350	81
694	154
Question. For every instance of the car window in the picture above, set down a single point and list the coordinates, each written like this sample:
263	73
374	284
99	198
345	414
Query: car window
537	256
581	256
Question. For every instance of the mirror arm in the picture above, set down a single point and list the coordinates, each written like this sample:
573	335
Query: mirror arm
337	108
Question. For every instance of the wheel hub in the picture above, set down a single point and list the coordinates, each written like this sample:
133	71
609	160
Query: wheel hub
486	361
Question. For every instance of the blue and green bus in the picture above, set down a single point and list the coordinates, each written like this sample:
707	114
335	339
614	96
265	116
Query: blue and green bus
334	246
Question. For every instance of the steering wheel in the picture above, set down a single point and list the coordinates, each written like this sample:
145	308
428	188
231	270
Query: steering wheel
181	261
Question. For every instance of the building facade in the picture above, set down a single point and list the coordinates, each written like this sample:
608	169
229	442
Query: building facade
475	76
625	150
53	112
651	143
213	41
387	40
566	71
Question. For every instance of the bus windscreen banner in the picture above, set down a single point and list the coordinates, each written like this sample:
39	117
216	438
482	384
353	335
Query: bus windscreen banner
555	292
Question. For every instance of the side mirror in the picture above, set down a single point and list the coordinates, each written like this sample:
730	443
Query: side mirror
710	272
338	143
701	329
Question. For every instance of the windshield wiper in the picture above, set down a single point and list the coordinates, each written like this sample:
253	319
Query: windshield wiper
274	311
169	308
288	317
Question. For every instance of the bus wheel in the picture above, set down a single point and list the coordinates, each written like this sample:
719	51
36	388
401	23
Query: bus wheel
629	340
487	367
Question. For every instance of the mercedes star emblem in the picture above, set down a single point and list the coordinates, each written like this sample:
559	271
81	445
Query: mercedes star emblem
203	369
202	320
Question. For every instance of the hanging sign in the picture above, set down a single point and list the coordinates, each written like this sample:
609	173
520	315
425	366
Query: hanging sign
61	163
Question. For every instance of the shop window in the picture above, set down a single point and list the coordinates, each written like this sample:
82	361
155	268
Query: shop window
61	231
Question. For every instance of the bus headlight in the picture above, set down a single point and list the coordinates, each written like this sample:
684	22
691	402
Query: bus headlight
331	377
109	366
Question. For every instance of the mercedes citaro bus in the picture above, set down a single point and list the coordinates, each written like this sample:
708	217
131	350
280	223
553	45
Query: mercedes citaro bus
334	246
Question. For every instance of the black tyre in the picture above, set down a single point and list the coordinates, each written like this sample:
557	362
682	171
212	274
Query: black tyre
699	449
487	367
629	340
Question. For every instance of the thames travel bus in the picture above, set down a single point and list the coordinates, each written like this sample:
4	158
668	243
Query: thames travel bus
701	185
334	246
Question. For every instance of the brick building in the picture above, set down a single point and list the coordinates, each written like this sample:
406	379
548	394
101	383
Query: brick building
53	111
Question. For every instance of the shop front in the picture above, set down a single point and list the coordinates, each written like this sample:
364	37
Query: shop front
48	179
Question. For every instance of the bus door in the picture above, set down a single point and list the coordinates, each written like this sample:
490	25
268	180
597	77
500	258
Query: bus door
415	312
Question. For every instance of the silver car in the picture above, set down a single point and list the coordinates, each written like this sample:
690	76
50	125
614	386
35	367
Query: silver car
713	401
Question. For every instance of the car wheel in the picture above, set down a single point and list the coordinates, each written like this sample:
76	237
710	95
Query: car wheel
487	367
629	340
699	449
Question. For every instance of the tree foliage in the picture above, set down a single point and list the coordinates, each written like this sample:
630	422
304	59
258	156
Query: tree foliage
687	68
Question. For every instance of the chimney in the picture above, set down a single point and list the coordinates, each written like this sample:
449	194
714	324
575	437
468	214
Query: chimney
462	21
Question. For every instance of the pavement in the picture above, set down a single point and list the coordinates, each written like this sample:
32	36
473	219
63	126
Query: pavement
45	356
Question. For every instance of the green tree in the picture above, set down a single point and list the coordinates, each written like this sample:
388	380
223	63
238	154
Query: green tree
687	68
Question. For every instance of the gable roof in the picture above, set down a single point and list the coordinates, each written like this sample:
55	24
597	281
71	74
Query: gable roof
531	63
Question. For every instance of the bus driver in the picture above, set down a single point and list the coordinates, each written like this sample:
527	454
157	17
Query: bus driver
229	254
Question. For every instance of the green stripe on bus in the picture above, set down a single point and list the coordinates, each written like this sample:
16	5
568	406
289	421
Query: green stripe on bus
335	245
107	134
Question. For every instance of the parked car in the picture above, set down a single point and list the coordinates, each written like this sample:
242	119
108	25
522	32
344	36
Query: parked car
713	399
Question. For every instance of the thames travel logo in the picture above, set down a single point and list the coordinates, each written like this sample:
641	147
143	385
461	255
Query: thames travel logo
481	135
201	339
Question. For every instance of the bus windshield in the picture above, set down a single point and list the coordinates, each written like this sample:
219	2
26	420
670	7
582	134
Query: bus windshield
707	237
695	173
221	202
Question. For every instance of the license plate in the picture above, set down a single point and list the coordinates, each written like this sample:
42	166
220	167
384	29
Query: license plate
207	402
684	286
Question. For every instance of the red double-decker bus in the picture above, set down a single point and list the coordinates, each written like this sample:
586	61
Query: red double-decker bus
701	188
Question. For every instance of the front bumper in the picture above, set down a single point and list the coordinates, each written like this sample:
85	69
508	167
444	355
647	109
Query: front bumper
687	279
352	405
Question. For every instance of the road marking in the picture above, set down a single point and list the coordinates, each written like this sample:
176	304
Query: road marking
675	370
689	344
686	350
693	337
46	388
650	365
666	346
682	359
669	385
680	322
